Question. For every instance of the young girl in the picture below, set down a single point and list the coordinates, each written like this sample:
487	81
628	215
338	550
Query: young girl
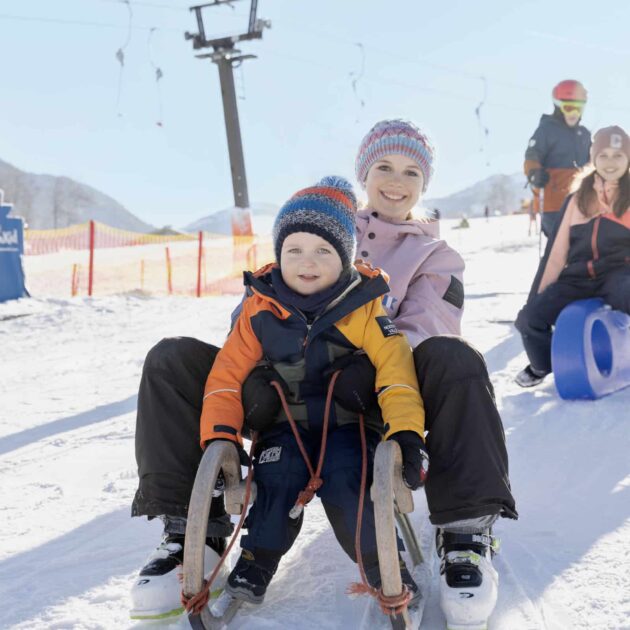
468	486
589	256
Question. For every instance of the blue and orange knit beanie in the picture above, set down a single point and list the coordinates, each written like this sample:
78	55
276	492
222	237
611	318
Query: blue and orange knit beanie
327	209
399	137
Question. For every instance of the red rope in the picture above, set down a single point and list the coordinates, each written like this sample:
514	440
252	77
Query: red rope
390	604
196	603
315	482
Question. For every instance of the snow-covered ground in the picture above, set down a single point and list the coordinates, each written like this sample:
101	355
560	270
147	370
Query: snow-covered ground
68	381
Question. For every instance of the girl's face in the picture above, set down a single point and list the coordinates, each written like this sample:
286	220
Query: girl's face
309	263
611	164
394	184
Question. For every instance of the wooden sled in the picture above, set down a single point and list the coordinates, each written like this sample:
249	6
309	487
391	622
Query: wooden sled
392	502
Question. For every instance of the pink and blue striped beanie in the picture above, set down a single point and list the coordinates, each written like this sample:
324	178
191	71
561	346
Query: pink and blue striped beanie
327	209
396	136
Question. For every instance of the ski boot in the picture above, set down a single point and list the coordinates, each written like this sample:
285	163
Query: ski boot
468	581
156	592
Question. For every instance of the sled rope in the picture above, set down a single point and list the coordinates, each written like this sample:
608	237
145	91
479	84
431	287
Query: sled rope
196	603
315	482
390	605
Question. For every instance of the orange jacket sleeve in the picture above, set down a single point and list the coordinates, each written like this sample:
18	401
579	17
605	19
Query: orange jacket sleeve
222	411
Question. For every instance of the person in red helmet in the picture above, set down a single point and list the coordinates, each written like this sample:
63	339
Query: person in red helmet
557	150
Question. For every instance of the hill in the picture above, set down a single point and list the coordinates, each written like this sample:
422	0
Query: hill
49	202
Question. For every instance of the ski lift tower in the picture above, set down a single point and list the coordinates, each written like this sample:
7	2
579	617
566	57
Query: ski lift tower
226	56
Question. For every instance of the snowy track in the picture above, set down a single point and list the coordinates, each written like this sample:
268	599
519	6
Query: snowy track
68	383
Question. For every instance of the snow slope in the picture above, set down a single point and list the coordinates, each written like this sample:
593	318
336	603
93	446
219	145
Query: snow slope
68	382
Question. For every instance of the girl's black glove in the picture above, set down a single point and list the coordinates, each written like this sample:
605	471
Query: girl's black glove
354	387
414	456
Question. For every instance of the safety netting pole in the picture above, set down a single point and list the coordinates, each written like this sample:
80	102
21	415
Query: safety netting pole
169	272
199	257
91	269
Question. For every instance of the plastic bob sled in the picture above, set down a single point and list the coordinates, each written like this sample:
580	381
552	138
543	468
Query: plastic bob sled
590	350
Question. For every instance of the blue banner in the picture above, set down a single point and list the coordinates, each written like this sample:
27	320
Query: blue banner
11	250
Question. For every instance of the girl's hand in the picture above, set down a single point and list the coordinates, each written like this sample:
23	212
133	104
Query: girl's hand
415	458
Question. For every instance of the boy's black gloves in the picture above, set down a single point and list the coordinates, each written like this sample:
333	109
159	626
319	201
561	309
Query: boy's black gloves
414	456
538	177
354	387
261	403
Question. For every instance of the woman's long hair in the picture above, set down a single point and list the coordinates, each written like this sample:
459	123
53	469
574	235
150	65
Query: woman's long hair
586	196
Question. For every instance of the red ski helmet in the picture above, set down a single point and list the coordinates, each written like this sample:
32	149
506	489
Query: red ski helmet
569	90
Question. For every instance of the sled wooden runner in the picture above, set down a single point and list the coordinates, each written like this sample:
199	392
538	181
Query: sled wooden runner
220	455
392	502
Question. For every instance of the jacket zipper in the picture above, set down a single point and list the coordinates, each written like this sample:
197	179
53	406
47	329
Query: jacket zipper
594	249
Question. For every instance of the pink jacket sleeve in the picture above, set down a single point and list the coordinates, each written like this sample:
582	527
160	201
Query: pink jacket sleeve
433	304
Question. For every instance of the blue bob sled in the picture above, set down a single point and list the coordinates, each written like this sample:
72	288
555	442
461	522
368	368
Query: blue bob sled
590	350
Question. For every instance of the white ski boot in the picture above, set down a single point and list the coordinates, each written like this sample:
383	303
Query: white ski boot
468	581
156	592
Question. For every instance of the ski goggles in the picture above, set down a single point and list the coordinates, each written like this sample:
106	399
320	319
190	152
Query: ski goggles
570	107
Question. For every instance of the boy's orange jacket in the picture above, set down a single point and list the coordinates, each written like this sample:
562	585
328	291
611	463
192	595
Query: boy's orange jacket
301	352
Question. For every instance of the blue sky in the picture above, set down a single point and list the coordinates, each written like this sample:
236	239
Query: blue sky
301	115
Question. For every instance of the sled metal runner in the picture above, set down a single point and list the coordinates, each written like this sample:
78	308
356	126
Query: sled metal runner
392	502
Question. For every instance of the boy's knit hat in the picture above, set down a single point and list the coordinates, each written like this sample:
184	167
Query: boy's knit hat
610	137
327	209
395	136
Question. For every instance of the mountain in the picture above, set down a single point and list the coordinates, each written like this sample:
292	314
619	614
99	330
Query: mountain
220	222
501	193
48	202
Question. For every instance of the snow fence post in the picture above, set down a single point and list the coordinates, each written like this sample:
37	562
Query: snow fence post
199	255
91	269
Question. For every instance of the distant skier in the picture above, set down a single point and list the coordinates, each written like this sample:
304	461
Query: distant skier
557	150
425	302
312	306
589	256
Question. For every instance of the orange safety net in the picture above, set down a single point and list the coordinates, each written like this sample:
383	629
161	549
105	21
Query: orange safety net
57	262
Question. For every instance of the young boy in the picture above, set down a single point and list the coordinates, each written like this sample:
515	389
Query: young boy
299	316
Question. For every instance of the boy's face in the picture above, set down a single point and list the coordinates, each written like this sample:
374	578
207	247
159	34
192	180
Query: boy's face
611	164
394	184
309	263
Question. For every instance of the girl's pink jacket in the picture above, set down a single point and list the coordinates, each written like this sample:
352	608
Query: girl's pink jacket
426	295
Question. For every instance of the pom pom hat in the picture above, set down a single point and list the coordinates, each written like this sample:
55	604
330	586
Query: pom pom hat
399	137
326	209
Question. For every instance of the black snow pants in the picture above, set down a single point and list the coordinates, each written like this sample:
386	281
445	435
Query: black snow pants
536	319
468	475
